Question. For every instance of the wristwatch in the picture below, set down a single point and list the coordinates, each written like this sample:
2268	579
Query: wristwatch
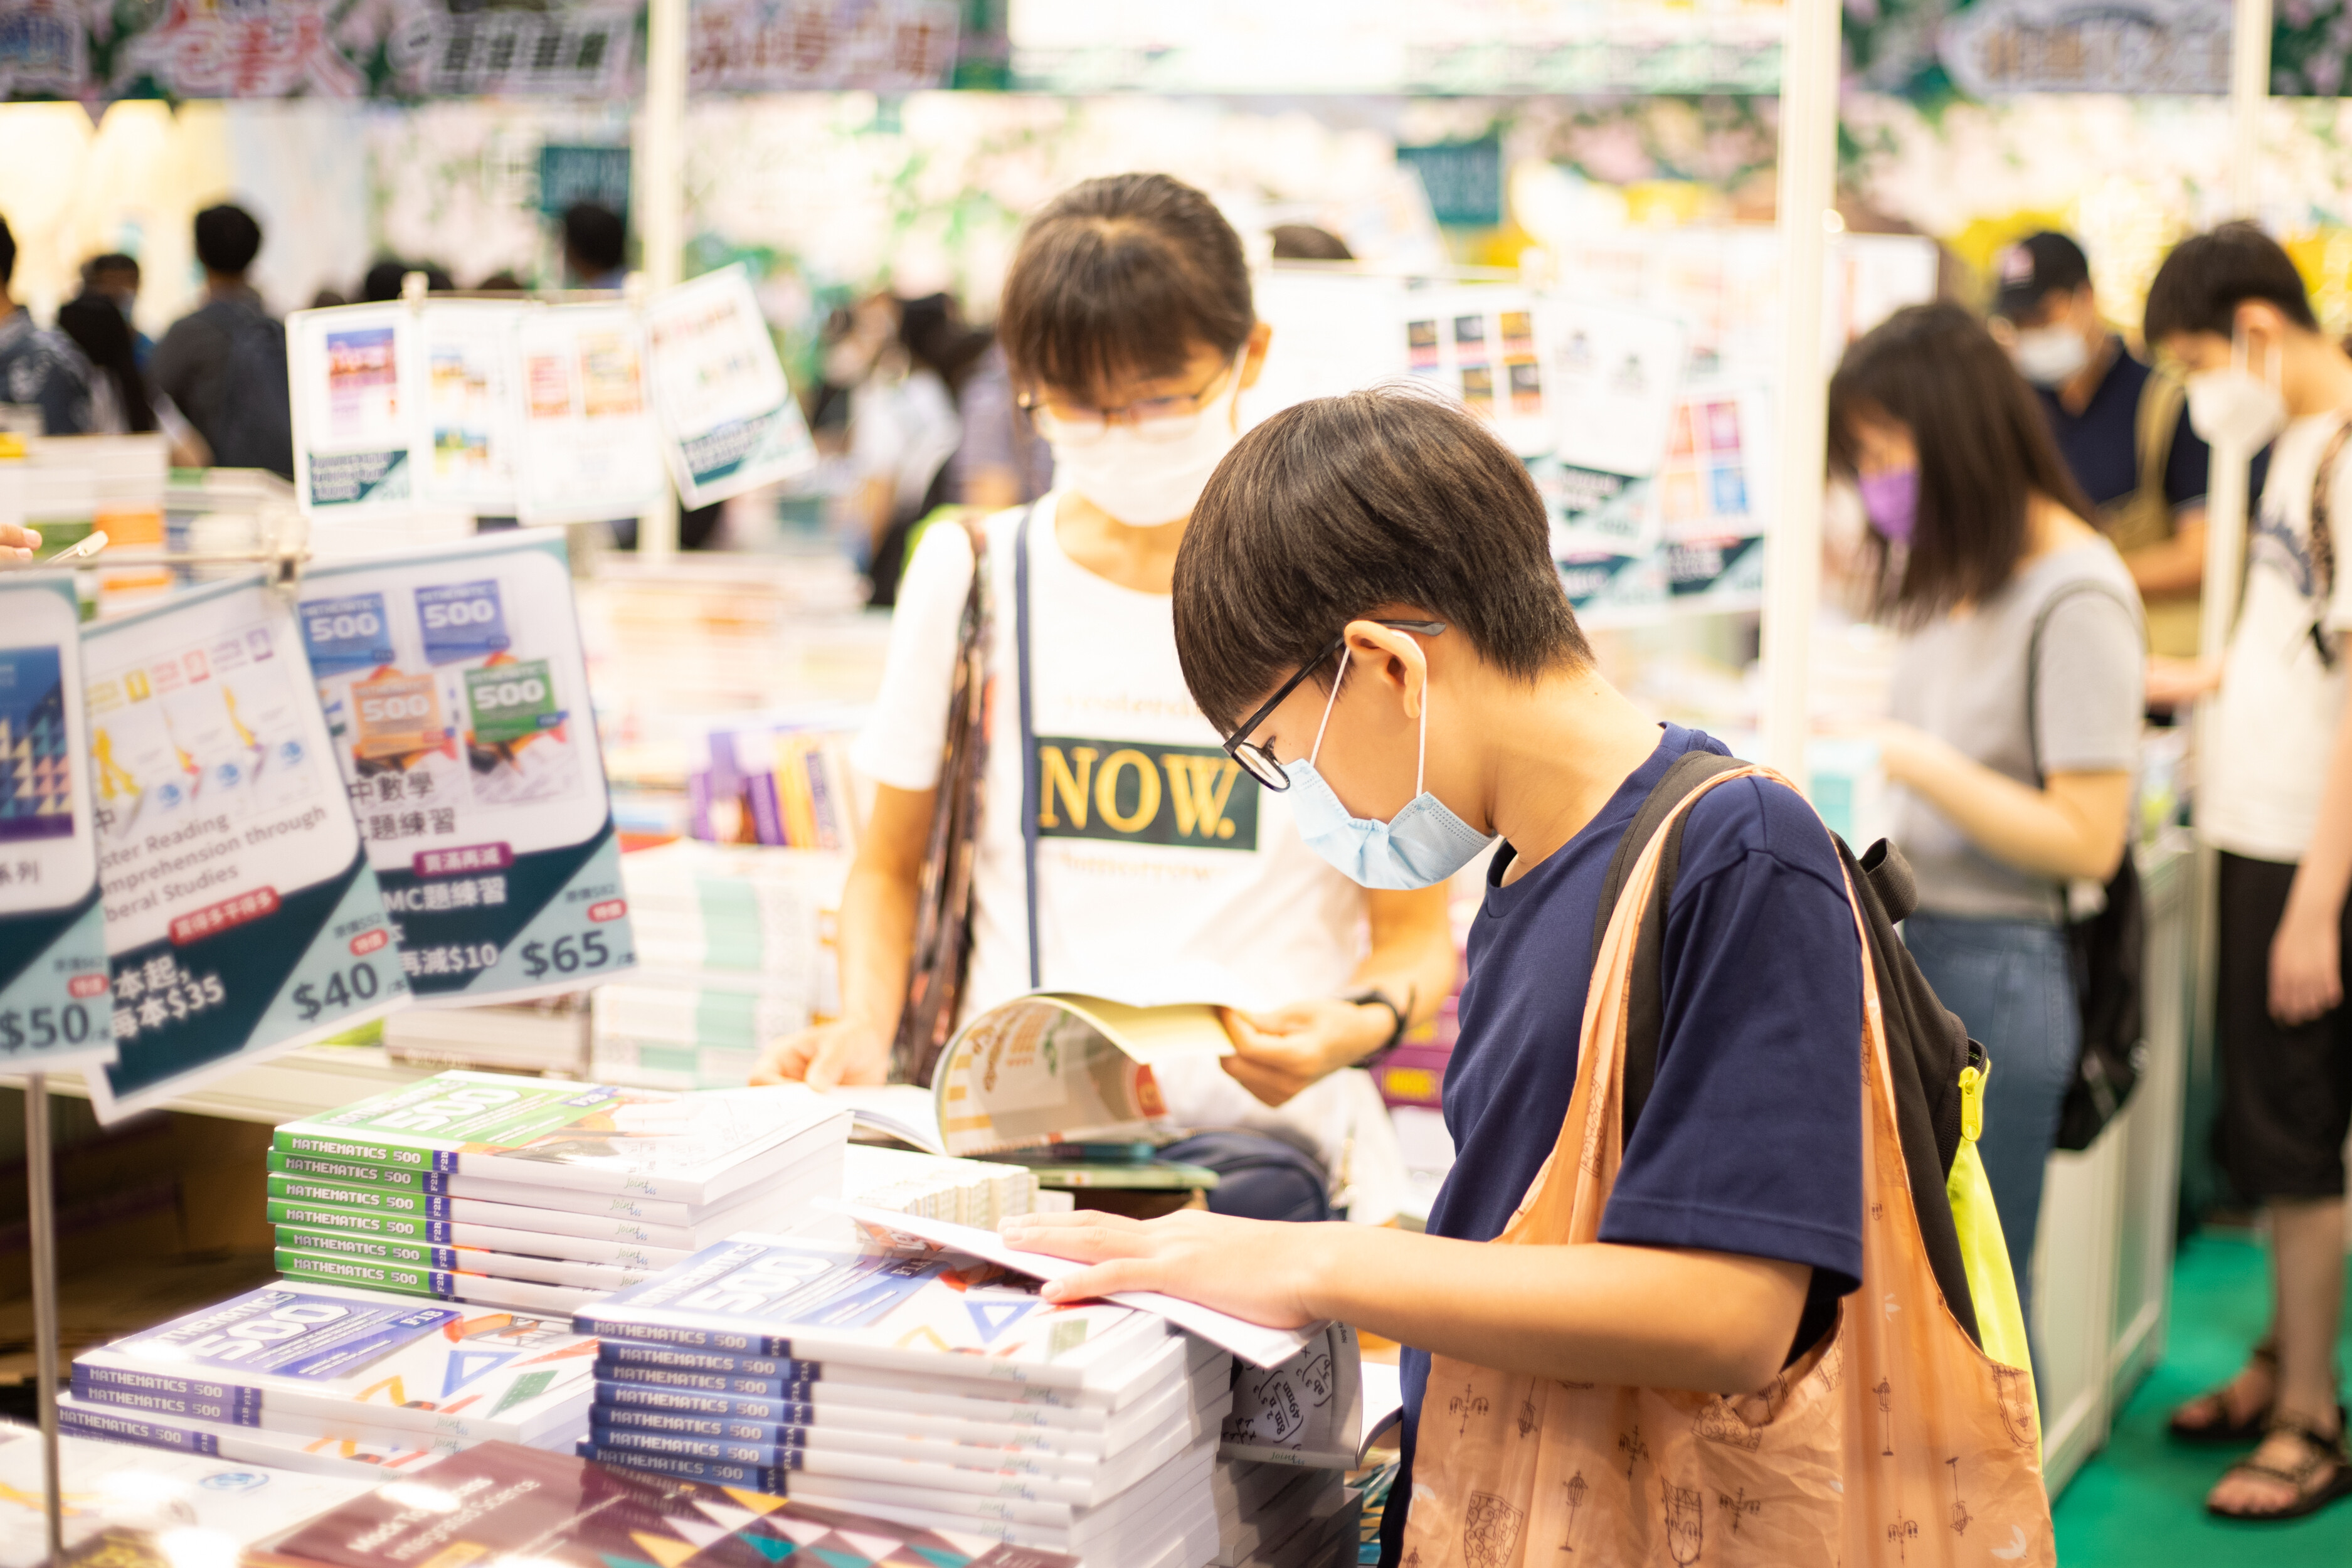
1373	996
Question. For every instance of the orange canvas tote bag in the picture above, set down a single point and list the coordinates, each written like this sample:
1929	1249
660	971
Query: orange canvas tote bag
1894	1440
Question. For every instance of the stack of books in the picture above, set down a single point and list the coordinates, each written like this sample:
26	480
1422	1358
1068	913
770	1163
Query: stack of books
984	1192
1280	1516
736	948
325	1378
929	1389
552	1510
535	1195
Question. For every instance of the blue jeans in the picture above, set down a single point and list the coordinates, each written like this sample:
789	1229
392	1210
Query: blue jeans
2009	983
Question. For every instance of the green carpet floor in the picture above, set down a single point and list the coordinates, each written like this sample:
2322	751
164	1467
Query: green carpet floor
2142	1499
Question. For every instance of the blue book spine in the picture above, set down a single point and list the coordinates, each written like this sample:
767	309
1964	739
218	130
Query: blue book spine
677	1445
720	1428
726	1340
765	1478
196	1399
795	1386
693	1402
131	1429
675	1359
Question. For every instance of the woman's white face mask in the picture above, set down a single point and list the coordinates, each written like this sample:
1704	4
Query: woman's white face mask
1152	472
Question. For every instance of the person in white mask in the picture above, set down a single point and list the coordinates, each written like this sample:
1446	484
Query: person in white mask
2275	798
2121	425
1118	850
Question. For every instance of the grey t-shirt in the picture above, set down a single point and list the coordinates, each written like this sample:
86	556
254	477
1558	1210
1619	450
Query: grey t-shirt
1962	678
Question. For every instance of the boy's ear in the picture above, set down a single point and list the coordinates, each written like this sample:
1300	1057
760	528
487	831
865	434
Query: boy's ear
2262	316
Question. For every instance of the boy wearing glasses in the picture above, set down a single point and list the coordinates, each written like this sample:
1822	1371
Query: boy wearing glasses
1117	850
1366	603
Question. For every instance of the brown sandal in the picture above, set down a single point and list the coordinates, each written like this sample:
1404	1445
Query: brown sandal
2223	1432
2319	1451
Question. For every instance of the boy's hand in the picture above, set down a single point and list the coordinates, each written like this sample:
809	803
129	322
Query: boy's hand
1279	1053
845	1051
2177	683
1258	1271
17	544
2306	966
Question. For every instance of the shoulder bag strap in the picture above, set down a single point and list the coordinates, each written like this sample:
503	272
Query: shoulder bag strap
1029	780
2323	543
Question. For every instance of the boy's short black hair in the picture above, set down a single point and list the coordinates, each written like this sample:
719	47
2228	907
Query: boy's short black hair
2208	275
7	254
1125	276
227	239
596	236
1343	507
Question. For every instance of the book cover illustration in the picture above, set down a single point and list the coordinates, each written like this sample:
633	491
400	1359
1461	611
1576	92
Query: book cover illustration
502	1502
870	1306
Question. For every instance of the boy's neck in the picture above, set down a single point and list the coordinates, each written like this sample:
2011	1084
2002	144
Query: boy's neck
2316	377
1562	745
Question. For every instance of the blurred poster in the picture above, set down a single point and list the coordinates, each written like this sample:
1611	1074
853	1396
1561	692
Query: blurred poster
456	696
53	982
590	446
778	46
468	404
1481	345
240	49
1320	347
241	916
354	437
730	418
1996	48
1613	373
1716	481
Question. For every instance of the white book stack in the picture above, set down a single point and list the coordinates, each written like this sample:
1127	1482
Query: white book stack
1281	1516
929	1389
735	947
1293	1432
327	1379
539	1195
984	1192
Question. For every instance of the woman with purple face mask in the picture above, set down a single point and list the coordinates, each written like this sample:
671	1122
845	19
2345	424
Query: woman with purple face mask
2016	704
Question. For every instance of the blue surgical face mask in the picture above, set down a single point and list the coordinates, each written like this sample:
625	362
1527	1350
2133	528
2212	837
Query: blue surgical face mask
1419	846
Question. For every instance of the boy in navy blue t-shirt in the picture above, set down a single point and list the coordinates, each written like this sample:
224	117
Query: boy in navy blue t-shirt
1367	601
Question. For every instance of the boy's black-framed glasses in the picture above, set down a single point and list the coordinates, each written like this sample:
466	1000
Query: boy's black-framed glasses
1257	759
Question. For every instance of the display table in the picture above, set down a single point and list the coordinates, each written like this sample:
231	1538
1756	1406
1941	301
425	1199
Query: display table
307	1082
2103	1258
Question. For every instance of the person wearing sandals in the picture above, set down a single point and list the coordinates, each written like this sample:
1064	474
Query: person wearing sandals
2275	799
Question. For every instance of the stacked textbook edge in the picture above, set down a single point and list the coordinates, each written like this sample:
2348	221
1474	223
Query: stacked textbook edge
932	1390
535	1195
322	1377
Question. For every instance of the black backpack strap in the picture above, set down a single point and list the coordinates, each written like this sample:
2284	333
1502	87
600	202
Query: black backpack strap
1926	1044
1645	1019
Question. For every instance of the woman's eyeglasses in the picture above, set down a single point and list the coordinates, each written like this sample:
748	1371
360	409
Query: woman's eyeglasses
1153	418
1259	760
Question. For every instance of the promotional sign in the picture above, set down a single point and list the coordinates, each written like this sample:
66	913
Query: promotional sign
1613	373
589	441
1482	345
456	696
355	430
53	1008
729	419
463	369
241	917
1320	347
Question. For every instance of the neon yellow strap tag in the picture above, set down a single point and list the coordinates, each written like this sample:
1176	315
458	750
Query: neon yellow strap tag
1972	1082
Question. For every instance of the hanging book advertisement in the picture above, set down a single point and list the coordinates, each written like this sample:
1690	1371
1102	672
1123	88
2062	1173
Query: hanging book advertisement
590	447
1613	373
729	420
1482	344
53	984
465	404
1714	489
354	431
456	696
241	916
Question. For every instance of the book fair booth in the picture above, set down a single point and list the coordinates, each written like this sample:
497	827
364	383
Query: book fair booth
402	868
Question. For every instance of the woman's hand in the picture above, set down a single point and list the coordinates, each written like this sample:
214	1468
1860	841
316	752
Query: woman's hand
17	544
845	1051
1259	1270
2306	964
1279	1053
2177	683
